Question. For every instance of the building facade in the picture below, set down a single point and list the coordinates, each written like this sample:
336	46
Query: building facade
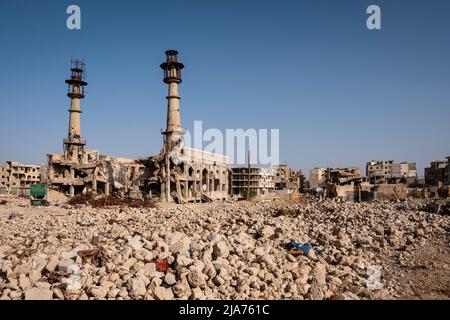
4	179
379	171
387	171
260	180
447	173
16	178
288	180
437	173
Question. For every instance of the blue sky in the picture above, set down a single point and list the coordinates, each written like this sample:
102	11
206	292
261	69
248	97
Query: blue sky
339	93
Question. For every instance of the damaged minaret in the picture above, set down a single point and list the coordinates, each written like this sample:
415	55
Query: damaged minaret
172	76
74	144
173	135
77	170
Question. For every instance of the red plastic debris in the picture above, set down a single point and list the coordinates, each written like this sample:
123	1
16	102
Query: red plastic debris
162	265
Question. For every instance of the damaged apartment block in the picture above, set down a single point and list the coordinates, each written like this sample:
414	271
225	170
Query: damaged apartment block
350	185
387	171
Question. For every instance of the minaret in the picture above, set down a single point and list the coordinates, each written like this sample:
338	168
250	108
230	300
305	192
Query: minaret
74	144
172	76
173	134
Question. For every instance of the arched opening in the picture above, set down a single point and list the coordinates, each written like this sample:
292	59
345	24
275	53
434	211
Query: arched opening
205	181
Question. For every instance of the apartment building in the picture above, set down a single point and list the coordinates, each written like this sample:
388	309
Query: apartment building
262	180
387	171
16	178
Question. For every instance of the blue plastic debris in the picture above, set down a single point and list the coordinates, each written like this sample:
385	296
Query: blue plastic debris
297	247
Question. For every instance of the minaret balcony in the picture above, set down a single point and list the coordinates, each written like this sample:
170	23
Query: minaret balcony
75	141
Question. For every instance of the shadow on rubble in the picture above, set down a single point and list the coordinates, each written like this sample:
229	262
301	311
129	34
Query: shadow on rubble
438	207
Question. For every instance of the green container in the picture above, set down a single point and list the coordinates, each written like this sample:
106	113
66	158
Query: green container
38	190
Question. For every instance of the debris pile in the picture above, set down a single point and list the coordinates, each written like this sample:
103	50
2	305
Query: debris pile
109	201
225	251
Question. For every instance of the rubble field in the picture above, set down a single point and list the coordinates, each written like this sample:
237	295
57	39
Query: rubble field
228	250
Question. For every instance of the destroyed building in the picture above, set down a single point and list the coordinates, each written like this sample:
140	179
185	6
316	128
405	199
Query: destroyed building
350	185
438	173
16	178
4	179
320	178
191	176
344	176
447	173
175	174
344	183
387	171
279	179
317	178
288	180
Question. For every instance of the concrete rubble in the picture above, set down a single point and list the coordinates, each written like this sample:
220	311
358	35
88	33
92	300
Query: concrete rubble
224	251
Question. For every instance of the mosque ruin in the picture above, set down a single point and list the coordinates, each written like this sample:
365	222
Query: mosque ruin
177	174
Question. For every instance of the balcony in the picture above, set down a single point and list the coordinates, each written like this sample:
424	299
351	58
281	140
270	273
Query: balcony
77	141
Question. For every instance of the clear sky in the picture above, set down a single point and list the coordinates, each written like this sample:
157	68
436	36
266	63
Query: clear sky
339	93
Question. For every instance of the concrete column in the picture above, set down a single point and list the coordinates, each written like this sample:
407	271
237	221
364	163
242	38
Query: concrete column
178	187
94	181
225	180
173	108
74	117
198	184
167	191
163	192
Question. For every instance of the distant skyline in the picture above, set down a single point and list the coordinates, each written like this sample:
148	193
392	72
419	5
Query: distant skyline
340	94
